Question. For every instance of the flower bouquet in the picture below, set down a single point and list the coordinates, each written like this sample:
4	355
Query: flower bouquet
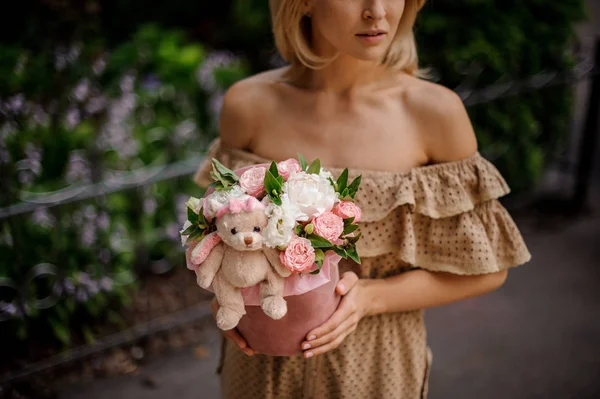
267	239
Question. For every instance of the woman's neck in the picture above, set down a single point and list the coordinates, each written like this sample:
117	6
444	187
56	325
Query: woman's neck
343	75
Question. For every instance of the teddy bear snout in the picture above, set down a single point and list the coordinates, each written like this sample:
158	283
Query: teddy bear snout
248	240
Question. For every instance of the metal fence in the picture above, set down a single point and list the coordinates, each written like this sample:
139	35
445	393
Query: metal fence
586	70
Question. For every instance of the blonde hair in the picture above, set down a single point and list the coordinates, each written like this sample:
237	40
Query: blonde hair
291	28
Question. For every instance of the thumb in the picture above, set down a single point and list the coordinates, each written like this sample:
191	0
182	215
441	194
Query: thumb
346	283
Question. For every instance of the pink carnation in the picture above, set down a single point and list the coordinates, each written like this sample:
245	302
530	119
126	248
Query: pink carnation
252	181
329	226
347	209
287	167
299	256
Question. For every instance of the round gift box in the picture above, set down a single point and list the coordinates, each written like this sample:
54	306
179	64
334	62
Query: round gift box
305	312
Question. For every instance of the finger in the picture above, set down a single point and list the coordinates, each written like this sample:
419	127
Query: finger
235	337
232	335
346	283
346	325
344	311
327	347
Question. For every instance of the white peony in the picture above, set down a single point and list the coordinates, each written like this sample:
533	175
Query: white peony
312	194
282	221
325	174
194	203
215	201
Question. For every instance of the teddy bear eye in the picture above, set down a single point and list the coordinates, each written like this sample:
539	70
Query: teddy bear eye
234	231
257	229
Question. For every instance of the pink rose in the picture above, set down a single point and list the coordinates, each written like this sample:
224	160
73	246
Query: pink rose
286	168
328	226
347	209
299	256
252	181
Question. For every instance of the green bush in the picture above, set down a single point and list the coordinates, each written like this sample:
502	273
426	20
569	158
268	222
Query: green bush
86	114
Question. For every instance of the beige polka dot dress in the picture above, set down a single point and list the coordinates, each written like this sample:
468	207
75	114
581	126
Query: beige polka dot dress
442	218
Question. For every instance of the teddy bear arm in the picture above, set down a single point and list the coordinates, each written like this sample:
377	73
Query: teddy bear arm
272	256
210	267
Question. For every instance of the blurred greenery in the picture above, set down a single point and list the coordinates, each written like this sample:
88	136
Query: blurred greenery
86	113
94	89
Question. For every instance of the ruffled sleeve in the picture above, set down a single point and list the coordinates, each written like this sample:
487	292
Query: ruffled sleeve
444	217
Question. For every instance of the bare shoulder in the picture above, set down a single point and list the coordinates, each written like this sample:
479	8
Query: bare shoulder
246	104
442	120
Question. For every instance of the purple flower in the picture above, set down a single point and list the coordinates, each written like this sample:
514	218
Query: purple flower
151	82
99	65
106	283
82	295
205	74
78	169
103	221
127	83
215	104
149	206
96	104
185	131
8	308
15	103
69	286
40	116
43	218
88	234
82	90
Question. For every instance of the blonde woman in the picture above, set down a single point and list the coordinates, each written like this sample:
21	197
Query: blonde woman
434	231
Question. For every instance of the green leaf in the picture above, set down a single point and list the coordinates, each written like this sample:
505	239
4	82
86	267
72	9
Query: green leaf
319	242
273	169
272	186
198	235
315	167
353	254
299	229
348	221
61	331
192	216
353	187
354	240
319	256
333	184
201	218
344	193
189	230
351	228
342	181
88	335
224	171
340	251
303	162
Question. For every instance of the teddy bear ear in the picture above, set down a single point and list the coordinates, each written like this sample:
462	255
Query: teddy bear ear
253	204
235	205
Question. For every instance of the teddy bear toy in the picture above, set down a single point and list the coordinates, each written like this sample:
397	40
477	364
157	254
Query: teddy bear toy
240	260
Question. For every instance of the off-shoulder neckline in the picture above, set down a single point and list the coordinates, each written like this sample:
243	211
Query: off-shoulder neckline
423	169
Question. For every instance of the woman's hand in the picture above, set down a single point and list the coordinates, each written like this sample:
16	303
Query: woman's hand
353	307
233	335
